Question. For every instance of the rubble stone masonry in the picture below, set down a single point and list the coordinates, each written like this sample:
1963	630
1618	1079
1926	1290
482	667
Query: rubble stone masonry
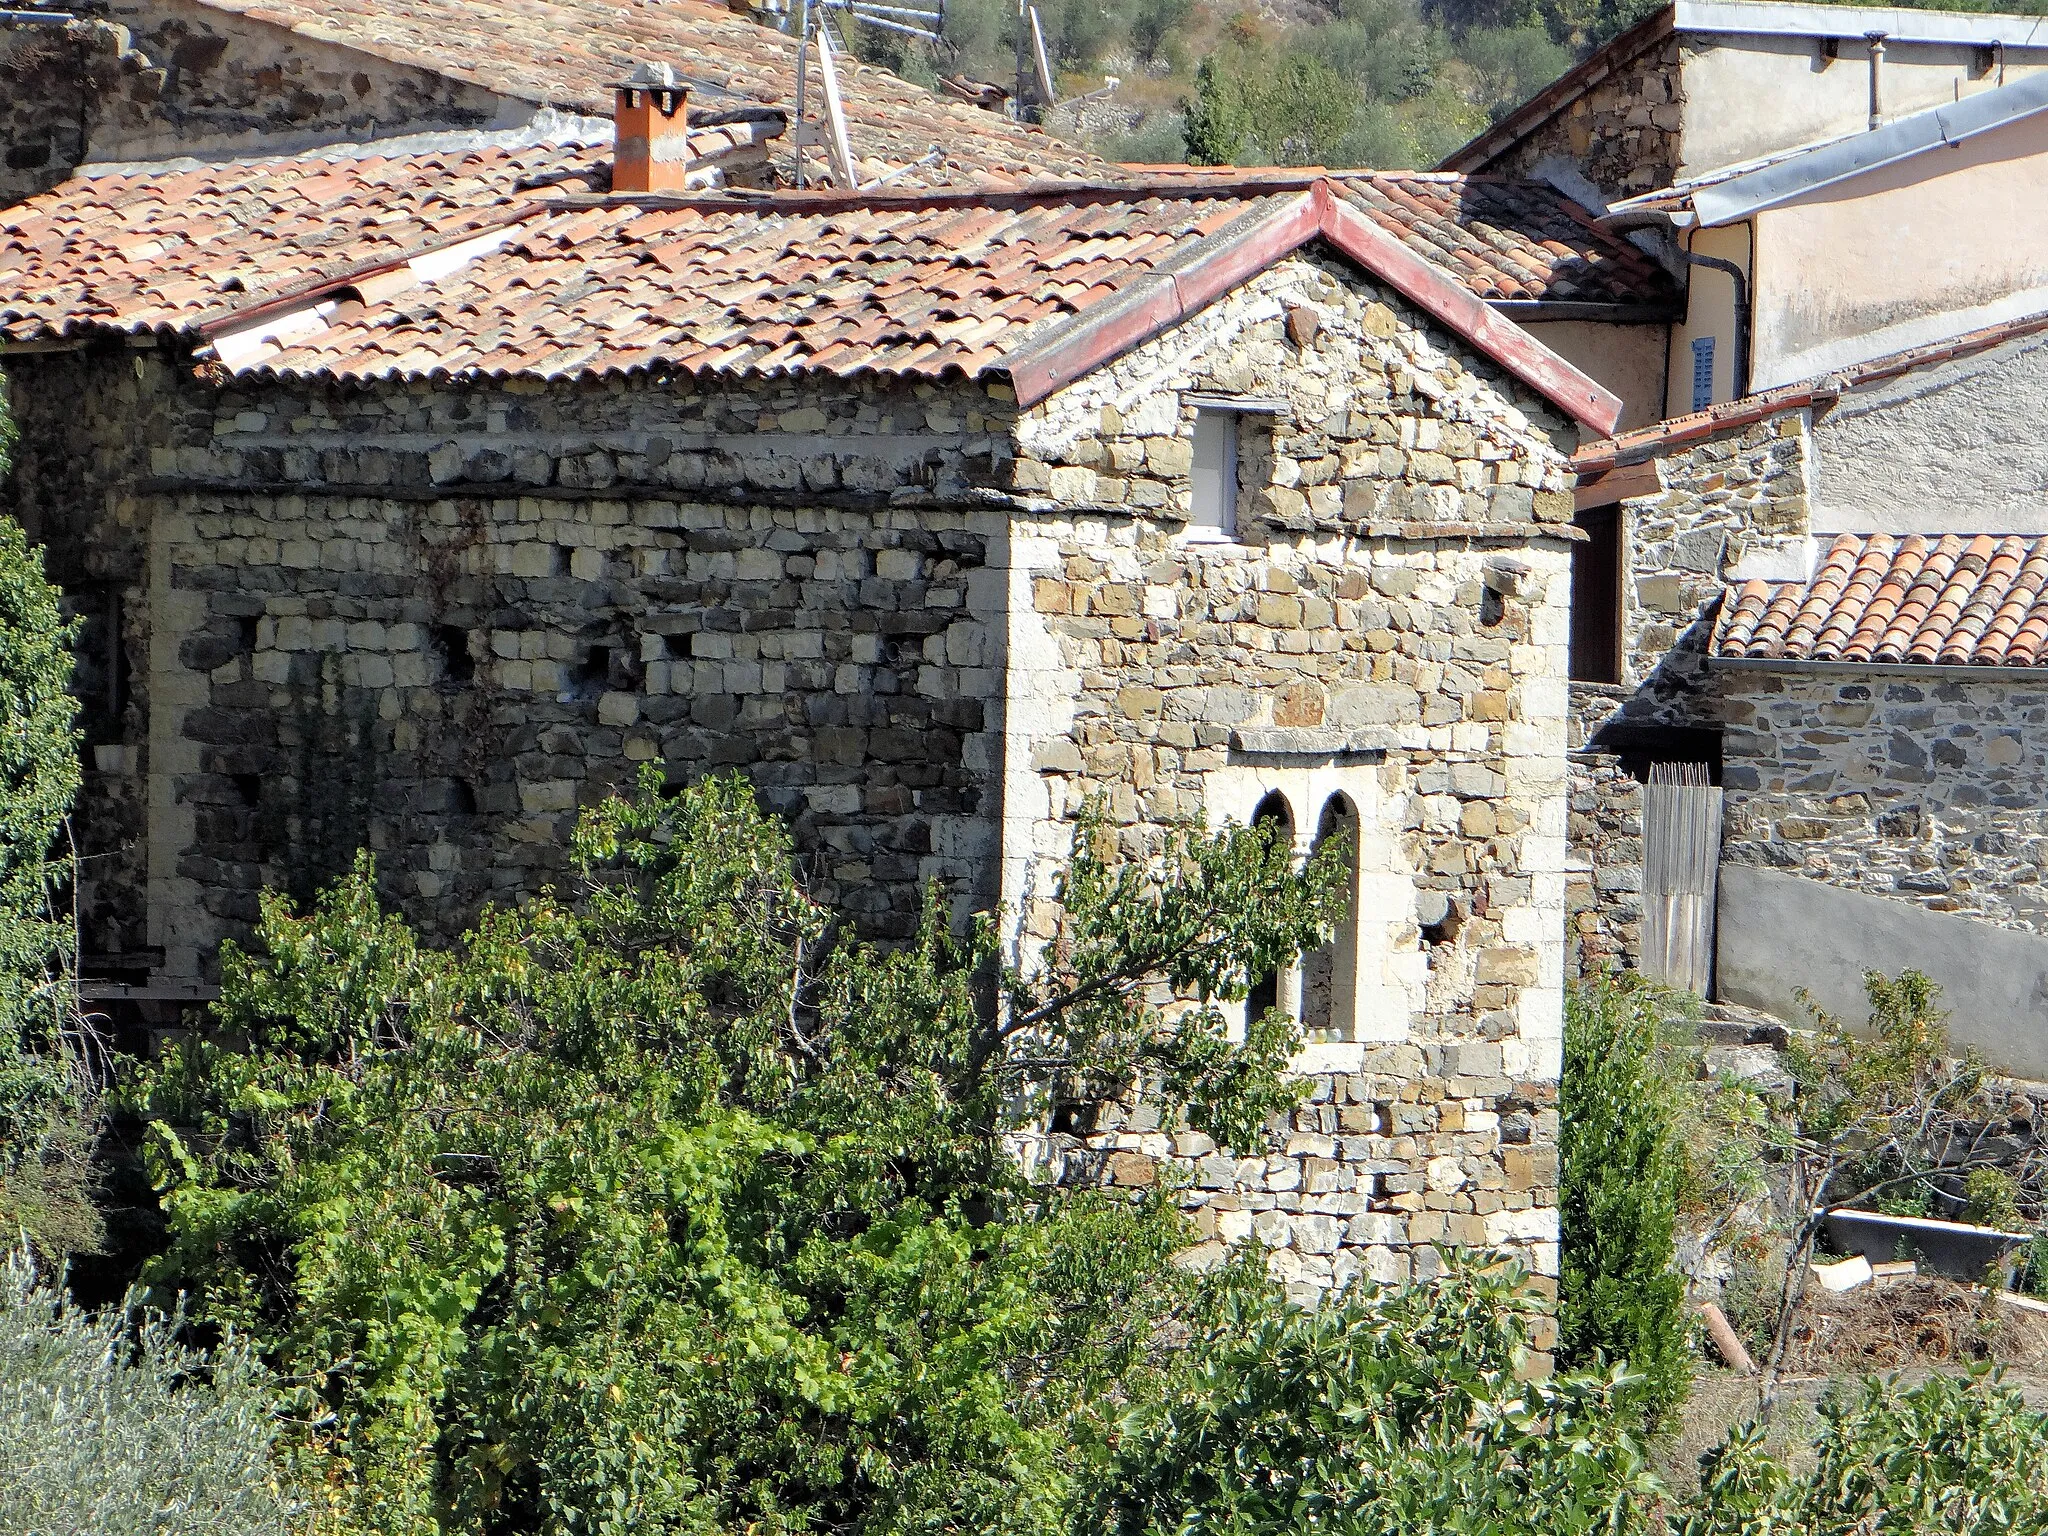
189	79
1928	787
1380	650
1623	134
437	620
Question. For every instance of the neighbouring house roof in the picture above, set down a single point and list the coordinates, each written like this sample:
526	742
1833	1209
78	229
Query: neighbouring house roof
1516	242
1889	600
570	53
1753	18
1665	436
158	249
473	262
1737	192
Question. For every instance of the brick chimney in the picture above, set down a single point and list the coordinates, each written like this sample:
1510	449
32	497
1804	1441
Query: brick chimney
652	119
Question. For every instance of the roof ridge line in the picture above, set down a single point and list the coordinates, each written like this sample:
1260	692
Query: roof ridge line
1183	284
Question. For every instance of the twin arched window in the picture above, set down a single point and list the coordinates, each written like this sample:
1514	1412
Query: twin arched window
1320	990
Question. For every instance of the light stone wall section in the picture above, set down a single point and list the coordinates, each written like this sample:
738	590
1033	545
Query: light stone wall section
1388	624
1927	785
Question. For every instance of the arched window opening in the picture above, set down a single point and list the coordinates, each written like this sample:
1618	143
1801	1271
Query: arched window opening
1267	991
1329	975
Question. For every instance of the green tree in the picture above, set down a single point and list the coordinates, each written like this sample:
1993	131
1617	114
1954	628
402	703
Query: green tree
1620	1295
1255	105
670	1207
42	1076
109	1423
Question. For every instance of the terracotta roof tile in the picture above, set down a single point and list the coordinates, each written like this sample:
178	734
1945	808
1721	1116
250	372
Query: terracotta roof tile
1515	240
1977	601
161	248
569	53
900	289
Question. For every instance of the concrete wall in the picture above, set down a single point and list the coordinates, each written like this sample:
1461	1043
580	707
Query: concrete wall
1747	96
1885	457
1781	932
1627	359
1929	248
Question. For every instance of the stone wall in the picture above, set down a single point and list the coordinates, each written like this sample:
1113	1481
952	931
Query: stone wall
435	621
1732	506
1604	878
43	95
175	78
1928	786
1384	643
1623	134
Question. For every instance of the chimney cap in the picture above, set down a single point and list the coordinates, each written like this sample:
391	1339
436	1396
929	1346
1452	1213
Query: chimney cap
650	76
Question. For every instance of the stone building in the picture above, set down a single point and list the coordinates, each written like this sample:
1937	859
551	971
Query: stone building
415	491
1752	148
1802	602
1839	408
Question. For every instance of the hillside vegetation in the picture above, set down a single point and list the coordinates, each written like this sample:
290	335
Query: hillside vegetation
1391	84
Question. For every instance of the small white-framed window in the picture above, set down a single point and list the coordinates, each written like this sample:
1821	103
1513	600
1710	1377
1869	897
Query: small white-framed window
1213	516
1218	472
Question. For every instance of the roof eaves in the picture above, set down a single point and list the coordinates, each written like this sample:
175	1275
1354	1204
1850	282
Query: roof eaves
1561	92
1256	240
1858	154
1647	442
1786	18
1537	311
1163	297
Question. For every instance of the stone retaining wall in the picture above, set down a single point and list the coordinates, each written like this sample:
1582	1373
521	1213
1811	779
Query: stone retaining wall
1604	880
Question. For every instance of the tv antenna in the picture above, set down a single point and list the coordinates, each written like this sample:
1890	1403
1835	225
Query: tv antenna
1034	68
814	30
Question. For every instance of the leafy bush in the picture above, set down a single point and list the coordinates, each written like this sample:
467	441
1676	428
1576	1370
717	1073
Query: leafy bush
43	1082
1620	1297
1379	1413
1950	1454
669	1208
109	1425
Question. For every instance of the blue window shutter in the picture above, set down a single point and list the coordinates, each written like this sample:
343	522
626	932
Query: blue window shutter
1702	372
